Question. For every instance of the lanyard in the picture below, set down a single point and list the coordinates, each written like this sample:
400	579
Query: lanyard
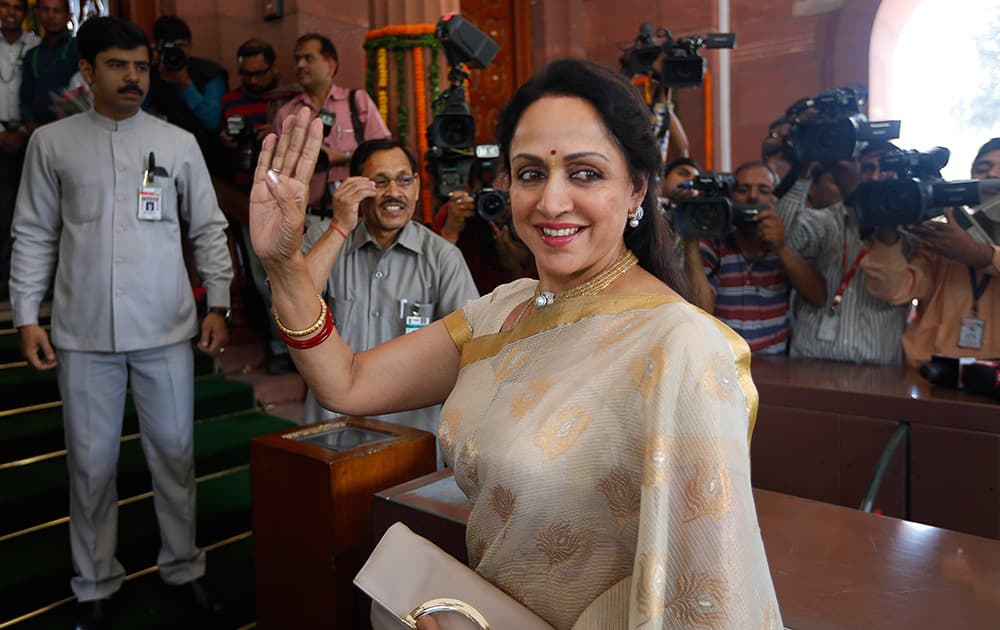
51	64
848	274
978	289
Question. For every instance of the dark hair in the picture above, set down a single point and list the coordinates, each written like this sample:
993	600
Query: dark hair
25	3
626	117
326	47
101	33
756	164
990	146
254	47
684	161
369	148
170	28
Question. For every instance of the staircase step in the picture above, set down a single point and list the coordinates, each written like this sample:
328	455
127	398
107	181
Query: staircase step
38	567
34	433
144	602
39	492
24	387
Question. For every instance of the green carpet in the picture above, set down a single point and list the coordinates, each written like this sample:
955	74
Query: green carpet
34	538
23	386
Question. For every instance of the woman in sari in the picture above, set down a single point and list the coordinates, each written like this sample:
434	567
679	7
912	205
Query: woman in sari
598	423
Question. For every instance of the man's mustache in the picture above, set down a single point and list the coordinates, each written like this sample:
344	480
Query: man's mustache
130	88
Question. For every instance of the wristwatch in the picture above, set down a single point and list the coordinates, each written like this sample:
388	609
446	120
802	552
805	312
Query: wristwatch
221	310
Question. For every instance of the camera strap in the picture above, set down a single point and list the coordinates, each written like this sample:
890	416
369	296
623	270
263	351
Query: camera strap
359	132
978	289
848	274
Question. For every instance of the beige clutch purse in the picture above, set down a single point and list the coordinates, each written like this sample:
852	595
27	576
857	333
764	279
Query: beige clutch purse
408	576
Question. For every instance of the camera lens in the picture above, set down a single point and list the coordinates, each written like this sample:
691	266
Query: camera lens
172	58
491	205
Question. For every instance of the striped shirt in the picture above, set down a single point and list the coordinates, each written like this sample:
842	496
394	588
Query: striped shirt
751	295
868	330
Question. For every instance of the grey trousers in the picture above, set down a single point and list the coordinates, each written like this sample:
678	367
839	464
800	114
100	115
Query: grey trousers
92	385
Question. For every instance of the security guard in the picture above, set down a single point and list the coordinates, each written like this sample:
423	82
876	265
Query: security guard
100	204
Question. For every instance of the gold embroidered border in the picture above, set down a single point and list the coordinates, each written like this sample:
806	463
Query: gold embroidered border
559	315
458	327
742	353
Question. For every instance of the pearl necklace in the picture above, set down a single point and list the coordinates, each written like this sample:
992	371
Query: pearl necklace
591	287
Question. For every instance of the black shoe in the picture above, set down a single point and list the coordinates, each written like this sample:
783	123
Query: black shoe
280	364
93	615
197	592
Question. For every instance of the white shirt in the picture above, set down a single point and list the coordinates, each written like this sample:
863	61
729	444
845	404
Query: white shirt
11	64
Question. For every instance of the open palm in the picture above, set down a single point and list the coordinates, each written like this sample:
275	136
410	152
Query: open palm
281	187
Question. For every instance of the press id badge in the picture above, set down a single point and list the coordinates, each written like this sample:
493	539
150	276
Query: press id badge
970	335
149	204
828	326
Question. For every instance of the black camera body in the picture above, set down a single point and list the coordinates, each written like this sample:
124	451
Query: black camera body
453	158
839	131
682	66
916	194
247	148
711	213
172	57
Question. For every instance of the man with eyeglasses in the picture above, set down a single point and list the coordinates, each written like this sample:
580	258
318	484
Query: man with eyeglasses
247	115
953	276
745	280
256	101
384	275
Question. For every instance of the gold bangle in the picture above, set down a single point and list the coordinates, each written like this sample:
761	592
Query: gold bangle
305	331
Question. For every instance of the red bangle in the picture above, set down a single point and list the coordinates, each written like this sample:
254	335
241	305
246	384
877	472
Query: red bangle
312	342
339	231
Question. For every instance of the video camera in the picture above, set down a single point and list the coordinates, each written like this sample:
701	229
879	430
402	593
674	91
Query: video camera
453	157
711	213
681	65
916	194
172	57
839	130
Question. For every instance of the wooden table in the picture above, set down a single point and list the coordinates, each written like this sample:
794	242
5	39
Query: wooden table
823	425
833	567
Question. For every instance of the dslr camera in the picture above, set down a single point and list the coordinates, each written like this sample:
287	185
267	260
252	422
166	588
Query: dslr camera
454	159
681	66
838	130
916	193
246	143
710	212
172	57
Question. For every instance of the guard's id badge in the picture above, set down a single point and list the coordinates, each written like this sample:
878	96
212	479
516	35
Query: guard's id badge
149	204
828	325
970	335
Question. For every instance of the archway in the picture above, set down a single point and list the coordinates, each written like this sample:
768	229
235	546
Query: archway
924	69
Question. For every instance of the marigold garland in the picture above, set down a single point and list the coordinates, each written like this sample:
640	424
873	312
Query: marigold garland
400	39
383	83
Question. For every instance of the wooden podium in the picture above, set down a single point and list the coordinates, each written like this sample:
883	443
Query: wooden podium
312	495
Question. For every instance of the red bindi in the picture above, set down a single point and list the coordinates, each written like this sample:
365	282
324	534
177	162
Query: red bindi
552	152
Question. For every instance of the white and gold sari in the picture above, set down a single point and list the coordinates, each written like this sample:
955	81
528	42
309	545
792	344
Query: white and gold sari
604	445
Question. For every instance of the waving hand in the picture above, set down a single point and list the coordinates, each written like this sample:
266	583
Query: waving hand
281	187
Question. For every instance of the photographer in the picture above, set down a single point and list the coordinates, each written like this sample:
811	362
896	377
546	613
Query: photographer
247	112
745	280
952	276
493	252
187	90
852	325
350	115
